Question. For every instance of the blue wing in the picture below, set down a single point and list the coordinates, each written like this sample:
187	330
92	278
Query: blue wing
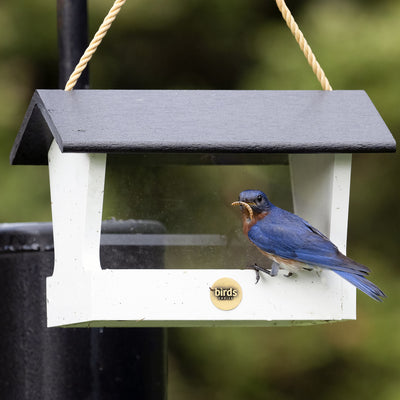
289	236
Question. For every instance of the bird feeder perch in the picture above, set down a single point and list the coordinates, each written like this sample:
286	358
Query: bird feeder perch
73	131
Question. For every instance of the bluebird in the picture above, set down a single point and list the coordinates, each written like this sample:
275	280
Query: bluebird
293	244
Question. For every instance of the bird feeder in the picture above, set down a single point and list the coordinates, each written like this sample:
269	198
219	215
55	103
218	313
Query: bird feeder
74	131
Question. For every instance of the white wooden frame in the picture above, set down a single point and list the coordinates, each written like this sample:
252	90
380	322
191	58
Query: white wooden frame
80	293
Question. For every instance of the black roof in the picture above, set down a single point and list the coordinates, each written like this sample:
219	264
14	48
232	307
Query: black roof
223	122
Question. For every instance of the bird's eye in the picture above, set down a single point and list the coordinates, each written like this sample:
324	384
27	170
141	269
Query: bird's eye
259	198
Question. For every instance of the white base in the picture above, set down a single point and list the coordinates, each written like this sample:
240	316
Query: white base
139	298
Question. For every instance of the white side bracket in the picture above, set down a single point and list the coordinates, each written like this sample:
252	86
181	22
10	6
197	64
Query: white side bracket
77	188
321	194
80	293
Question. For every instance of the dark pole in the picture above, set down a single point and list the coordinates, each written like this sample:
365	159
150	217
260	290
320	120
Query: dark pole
72	40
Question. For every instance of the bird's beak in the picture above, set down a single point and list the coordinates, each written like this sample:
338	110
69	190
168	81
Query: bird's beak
246	205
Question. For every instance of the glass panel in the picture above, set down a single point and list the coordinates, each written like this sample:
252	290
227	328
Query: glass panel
193	203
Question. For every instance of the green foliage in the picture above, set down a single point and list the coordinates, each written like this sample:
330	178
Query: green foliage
235	44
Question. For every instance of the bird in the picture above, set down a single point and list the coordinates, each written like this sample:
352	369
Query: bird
293	244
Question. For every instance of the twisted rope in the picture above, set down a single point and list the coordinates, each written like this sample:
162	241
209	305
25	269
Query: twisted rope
304	46
115	9
94	44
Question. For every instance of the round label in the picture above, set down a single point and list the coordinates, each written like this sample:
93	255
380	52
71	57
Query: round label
226	294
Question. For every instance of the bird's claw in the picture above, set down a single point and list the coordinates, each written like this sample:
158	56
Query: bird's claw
257	269
257	275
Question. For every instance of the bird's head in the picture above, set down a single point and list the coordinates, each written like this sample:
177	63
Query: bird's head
253	202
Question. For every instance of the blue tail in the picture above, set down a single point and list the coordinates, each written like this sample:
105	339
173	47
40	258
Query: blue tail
363	284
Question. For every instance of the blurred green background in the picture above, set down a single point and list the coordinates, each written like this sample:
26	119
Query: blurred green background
237	44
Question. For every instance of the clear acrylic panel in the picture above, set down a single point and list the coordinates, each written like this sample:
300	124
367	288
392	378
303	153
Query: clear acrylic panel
193	203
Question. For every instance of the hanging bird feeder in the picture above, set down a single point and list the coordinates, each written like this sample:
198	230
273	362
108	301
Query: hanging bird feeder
73	131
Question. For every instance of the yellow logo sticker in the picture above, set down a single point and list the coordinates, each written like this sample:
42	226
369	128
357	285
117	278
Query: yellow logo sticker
226	294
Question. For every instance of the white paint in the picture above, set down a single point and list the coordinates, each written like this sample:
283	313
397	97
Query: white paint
80	293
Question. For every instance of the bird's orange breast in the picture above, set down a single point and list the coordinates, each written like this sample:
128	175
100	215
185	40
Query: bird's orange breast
248	223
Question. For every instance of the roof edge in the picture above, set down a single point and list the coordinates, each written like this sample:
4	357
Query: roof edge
35	135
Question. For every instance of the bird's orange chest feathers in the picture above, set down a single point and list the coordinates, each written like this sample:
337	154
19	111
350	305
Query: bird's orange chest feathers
248	223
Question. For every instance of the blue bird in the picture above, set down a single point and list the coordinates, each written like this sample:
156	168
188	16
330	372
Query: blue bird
291	242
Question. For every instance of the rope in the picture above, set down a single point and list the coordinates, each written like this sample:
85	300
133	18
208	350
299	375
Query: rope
304	46
115	9
94	44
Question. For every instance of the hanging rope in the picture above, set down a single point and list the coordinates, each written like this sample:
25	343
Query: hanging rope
115	9
94	44
304	46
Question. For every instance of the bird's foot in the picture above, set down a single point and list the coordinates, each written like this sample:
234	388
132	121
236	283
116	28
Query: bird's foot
273	271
